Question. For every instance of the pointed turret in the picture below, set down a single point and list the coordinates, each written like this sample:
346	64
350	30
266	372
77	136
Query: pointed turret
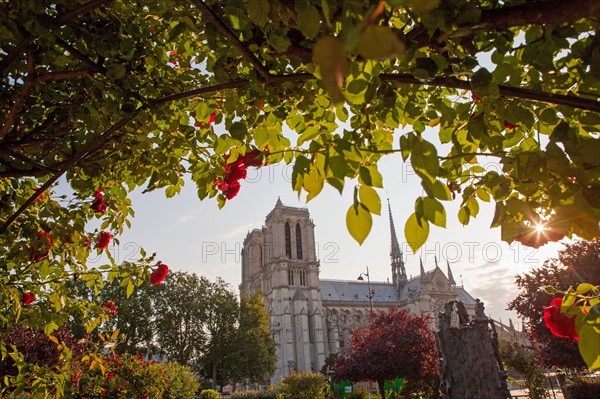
423	275
278	204
398	271
450	276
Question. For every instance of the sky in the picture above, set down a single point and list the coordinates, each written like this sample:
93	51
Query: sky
195	236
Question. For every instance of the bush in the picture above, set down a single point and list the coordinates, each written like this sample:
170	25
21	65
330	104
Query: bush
358	395
304	385
270	394
125	376
182	382
210	394
583	388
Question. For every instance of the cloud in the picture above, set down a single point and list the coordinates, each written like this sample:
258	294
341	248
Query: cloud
236	231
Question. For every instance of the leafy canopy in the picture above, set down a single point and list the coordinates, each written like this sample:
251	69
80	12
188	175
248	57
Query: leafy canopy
126	94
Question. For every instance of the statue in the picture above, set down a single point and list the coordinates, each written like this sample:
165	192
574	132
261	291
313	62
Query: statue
479	309
463	316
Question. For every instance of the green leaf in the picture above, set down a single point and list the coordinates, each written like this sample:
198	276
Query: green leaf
312	183
416	234
550	290
129	289
464	215
258	11
238	130
424	159
380	43
370	176
116	71
589	344
308	19
359	222
585	287
330	56
434	211
370	198
441	191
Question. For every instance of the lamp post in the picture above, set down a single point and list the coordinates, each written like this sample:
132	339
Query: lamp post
360	278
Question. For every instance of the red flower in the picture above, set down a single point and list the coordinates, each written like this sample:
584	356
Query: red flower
111	308
99	194
559	324
232	190
103	240
27	298
212	117
159	274
509	125
253	158
99	206
235	173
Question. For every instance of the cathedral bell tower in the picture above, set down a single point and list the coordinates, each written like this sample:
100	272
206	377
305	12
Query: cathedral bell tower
280	261
398	271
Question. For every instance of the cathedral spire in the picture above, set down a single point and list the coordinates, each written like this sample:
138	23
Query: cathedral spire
398	270
450	276
422	268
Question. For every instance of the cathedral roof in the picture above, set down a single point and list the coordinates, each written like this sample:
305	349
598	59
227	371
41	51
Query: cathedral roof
357	291
464	296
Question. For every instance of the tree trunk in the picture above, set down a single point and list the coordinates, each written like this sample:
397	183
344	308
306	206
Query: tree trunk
214	375
381	384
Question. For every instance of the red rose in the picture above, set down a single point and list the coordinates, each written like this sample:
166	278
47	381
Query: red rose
509	125
110	307
159	274
98	194
27	298
103	240
99	206
253	158
559	324
232	190
236	173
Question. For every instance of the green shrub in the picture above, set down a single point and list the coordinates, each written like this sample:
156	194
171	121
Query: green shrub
583	388
125	376
210	394
304	385
269	394
182	382
358	395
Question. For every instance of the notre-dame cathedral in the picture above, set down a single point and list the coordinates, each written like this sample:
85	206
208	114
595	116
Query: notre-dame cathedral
311	317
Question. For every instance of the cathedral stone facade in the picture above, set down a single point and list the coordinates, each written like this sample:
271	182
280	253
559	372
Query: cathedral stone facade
311	317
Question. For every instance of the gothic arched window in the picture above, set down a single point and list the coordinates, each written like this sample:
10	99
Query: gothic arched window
298	241
288	240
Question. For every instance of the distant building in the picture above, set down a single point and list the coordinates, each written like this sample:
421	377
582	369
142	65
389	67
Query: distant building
310	317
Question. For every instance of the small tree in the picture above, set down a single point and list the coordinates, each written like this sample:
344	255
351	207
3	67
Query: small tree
526	362
577	262
304	385
387	346
182	384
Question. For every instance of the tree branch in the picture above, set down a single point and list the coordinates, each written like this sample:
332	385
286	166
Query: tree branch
16	51
23	158
90	147
14	110
61	75
82	9
80	56
221	27
553	12
505	91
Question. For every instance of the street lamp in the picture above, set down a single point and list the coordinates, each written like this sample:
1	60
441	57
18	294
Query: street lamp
360	278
